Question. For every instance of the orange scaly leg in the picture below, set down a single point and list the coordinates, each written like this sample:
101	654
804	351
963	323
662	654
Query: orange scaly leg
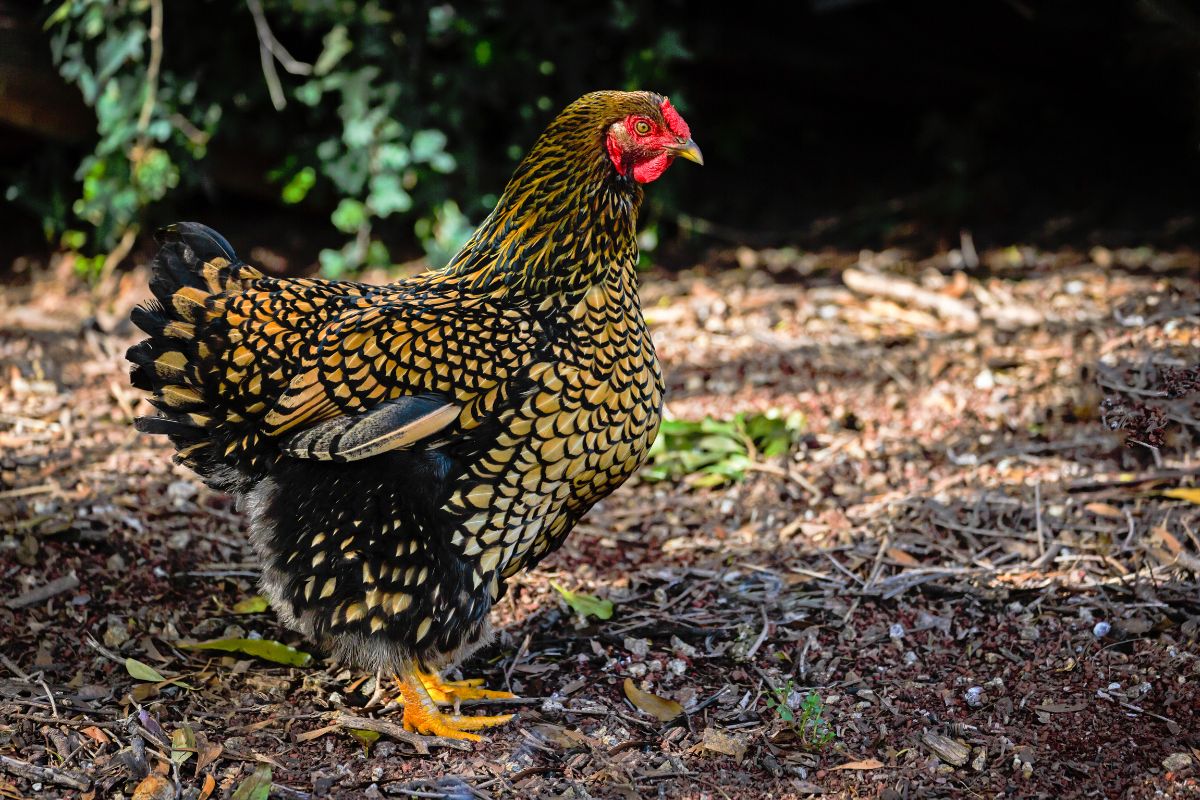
421	714
448	692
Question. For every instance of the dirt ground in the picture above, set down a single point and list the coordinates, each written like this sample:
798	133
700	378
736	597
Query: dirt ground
980	557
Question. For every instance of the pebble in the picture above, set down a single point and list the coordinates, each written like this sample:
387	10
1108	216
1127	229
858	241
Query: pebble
974	696
896	631
1101	629
1177	762
638	647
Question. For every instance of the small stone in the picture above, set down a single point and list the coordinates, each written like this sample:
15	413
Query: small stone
181	492
677	666
682	648
910	658
637	647
637	669
1101	629
1177	762
896	631
974	696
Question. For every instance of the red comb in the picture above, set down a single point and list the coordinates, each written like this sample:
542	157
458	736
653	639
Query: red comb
674	121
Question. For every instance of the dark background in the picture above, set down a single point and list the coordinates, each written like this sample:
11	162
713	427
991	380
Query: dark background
846	123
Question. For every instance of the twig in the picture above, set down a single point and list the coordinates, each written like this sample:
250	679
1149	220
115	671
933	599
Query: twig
50	697
419	743
269	50
1041	529
524	648
44	592
152	69
905	291
61	777
762	636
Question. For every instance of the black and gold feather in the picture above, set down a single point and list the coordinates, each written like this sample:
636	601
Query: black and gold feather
403	449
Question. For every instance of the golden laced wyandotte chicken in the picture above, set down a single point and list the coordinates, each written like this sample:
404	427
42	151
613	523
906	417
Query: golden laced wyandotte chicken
400	451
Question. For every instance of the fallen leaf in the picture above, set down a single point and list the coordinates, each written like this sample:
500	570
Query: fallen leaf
262	648
365	738
902	557
866	763
210	783
719	741
585	604
662	708
1191	495
154	787
92	732
1168	539
257	786
183	744
1105	510
209	752
1061	708
142	672
316	733
251	605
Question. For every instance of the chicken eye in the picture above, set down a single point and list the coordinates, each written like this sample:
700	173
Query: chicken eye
641	127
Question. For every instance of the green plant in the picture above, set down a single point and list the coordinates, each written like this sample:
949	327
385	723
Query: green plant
385	112
712	452
807	721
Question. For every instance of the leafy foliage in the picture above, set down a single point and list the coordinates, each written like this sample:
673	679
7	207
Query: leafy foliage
711	452
807	720
585	604
387	111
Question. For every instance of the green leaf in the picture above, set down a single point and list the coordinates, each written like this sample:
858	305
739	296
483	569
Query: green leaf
251	605
585	604
298	187
260	648
257	786
183	743
425	144
349	215
365	738
142	672
336	45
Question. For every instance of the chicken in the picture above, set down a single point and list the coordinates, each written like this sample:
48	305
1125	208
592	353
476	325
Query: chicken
401	450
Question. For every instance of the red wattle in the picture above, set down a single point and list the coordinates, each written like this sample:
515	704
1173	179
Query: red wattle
652	168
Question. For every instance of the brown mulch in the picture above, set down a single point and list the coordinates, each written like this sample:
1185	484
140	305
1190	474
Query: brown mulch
977	558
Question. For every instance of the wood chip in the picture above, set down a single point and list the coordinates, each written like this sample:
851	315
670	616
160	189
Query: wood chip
951	751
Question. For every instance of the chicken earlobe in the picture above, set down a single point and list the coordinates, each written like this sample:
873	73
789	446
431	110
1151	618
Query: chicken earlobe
392	425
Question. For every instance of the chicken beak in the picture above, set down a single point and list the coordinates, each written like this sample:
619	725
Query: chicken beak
688	150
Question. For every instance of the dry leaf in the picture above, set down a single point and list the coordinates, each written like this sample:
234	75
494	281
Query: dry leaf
1191	495
210	783
154	787
209	753
902	557
665	710
866	763
719	741
92	732
1105	510
1168	539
